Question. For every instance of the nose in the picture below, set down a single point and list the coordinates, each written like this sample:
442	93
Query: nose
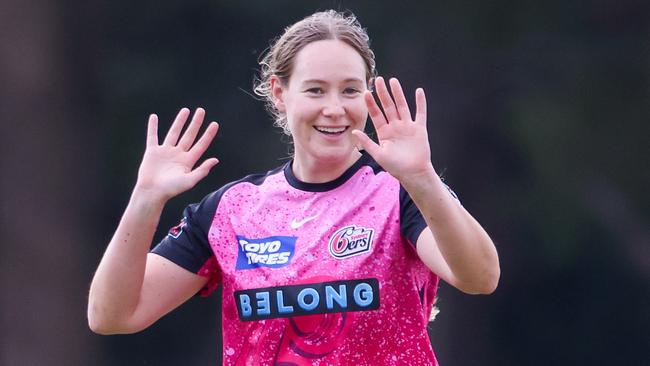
333	107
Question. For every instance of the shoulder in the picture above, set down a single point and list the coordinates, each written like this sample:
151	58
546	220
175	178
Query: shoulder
257	179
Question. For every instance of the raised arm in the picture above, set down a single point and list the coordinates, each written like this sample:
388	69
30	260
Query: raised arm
131	289
454	245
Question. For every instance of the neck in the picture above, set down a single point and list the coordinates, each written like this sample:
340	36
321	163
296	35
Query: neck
310	170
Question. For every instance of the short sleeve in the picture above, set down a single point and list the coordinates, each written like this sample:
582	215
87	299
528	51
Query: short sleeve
186	244
411	221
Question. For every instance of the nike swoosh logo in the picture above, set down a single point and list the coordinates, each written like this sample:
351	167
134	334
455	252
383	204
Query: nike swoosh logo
296	224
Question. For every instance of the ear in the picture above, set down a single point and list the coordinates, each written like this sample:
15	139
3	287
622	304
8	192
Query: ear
277	90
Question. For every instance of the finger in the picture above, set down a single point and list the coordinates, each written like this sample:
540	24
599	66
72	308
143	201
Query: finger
400	99
177	126
366	143
386	100
192	130
204	141
202	170
420	106
376	115
152	131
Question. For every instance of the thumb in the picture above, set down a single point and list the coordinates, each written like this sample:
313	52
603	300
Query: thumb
366	143
202	170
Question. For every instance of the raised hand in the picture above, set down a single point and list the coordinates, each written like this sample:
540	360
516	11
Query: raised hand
403	148
167	169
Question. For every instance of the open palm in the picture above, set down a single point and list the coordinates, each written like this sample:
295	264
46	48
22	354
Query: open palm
403	148
167	169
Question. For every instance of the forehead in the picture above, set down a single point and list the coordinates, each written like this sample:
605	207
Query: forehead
328	60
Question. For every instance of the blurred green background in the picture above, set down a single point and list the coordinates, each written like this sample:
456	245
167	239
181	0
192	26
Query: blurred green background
539	120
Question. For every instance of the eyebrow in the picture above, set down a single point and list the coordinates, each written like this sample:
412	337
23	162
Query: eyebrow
319	81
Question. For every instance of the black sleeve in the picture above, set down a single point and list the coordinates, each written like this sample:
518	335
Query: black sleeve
411	221
186	244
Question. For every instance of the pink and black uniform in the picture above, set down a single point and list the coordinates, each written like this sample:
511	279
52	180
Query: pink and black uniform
312	274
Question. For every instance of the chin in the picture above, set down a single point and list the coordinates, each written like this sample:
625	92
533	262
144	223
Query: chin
336	154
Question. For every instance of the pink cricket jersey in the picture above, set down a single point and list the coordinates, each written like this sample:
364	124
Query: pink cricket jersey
312	274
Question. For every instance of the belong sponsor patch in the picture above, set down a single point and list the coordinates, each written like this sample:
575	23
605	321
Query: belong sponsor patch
308	299
272	252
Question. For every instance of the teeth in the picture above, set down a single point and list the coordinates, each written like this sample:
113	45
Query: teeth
331	129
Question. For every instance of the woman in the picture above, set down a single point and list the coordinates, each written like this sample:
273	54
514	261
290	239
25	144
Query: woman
333	258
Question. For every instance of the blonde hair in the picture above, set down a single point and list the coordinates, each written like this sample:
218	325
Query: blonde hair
279	57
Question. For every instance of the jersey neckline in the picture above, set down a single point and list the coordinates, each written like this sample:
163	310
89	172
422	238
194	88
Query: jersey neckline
296	183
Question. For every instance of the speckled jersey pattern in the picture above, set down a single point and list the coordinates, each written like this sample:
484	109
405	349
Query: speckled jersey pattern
312	274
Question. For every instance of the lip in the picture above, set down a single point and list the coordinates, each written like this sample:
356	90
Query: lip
345	128
331	136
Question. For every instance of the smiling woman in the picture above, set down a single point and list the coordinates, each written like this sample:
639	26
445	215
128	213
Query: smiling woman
323	103
333	258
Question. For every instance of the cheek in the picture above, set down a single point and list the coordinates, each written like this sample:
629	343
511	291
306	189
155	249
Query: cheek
301	116
303	110
358	112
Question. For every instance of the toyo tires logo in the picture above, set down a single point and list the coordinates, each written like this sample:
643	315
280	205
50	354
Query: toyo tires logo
350	241
271	252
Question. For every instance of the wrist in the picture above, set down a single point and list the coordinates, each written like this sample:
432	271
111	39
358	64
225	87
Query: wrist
425	177
426	188
148	199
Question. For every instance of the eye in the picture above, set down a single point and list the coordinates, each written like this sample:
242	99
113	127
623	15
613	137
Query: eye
351	91
315	91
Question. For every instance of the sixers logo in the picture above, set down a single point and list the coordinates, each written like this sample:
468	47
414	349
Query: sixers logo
350	241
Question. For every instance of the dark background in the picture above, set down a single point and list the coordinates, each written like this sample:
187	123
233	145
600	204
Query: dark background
539	114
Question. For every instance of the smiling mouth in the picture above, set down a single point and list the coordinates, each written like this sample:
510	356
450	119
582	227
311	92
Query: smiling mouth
331	130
